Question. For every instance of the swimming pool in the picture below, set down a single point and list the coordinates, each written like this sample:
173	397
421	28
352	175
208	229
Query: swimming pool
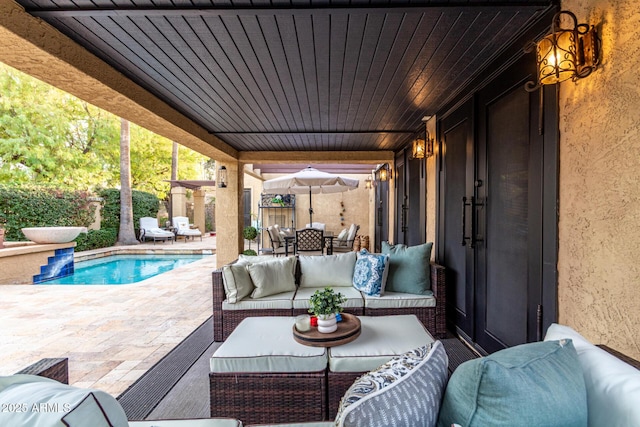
122	269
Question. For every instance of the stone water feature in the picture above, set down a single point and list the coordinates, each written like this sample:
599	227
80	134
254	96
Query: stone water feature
48	255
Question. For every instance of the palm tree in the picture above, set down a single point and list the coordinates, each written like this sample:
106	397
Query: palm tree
126	234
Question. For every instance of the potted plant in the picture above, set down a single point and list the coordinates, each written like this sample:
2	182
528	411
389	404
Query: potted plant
250	233
324	304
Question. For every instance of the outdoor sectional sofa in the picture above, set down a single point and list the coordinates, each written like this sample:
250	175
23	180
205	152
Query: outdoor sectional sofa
563	381
413	267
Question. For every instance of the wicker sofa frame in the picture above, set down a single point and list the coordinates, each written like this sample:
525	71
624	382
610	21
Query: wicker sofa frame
53	368
433	318
269	397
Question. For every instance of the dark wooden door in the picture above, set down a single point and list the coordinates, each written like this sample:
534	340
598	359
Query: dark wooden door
381	213
493	202
402	200
458	172
508	213
246	200
410	225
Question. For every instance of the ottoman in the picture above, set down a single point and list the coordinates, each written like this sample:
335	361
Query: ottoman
202	422
381	339
260	374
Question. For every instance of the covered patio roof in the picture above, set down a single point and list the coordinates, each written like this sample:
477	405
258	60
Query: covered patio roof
288	76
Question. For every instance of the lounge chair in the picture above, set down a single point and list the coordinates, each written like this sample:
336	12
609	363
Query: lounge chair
149	230
181	223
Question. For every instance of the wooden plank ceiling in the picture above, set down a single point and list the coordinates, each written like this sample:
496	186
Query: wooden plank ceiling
288	75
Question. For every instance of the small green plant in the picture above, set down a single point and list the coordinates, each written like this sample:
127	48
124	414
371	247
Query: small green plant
249	252
326	301
250	233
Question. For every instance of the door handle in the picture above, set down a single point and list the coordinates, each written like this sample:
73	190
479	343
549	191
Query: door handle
464	221
403	219
472	239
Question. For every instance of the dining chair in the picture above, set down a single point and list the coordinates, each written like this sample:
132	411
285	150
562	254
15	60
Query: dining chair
309	240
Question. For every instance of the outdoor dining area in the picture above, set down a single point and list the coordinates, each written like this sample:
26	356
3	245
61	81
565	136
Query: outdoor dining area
314	237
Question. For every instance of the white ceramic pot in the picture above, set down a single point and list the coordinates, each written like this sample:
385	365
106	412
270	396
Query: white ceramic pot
327	323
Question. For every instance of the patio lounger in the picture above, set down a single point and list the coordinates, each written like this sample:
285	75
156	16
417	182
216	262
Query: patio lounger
181	223
149	230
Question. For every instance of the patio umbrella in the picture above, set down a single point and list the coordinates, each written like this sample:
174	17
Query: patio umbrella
312	181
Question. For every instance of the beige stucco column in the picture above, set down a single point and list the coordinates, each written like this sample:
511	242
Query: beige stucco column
229	215
178	201
198	209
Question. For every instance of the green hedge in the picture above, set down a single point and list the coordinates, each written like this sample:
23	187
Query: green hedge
96	239
42	207
144	204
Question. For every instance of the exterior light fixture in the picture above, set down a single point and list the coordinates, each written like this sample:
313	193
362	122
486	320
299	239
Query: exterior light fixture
384	173
222	177
565	53
368	183
419	148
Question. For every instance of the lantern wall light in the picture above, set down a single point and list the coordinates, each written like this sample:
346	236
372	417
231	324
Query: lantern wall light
368	183
384	173
222	177
565	53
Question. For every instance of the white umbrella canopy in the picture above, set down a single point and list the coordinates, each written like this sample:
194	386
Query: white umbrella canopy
310	180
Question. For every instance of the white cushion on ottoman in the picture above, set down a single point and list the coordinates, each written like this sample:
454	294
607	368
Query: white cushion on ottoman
354	297
381	338
202	422
266	344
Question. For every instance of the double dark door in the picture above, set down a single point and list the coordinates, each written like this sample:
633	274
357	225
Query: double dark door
410	224
495	201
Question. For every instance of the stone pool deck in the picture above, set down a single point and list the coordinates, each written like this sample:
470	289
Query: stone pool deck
111	334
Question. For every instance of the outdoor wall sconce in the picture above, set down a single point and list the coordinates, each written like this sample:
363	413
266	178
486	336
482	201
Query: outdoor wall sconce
384	173
368	183
419	148
565	53
222	177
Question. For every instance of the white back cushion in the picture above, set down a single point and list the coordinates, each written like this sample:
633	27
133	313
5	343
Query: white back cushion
327	270
613	387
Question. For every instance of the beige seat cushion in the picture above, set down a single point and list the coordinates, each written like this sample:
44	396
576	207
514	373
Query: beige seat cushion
283	300
266	344
400	300
201	422
354	297
380	340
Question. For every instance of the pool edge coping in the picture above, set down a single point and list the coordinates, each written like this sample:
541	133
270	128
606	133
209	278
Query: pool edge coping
105	252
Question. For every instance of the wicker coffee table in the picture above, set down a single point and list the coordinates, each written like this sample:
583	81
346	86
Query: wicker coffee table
348	330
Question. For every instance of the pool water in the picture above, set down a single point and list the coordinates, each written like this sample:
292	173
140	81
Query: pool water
122	269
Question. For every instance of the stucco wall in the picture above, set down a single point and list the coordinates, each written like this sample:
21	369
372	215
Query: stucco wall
599	252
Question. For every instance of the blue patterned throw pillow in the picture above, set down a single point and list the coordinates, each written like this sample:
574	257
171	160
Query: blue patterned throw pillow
404	392
369	275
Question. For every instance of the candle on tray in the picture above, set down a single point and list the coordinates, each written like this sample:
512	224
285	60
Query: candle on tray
303	322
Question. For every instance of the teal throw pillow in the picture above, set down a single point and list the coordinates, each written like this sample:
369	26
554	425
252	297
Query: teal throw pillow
370	273
409	268
537	384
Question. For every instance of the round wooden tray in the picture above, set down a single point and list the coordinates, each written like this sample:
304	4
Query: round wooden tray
348	330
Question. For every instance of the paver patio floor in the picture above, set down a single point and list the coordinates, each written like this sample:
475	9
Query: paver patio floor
111	333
